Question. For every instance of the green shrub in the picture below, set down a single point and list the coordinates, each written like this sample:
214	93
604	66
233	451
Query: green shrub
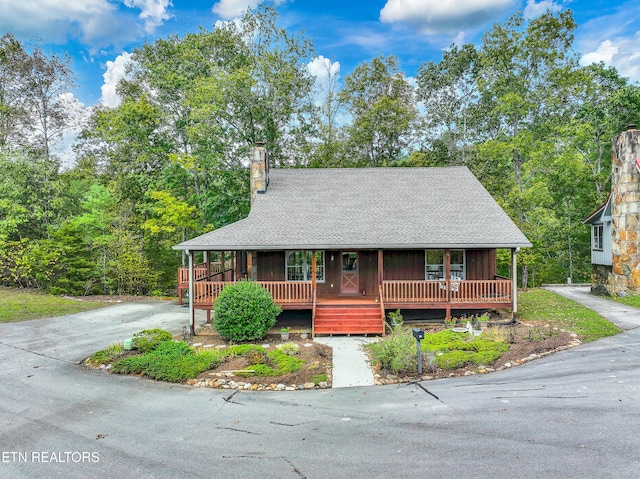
244	311
395	319
241	350
172	361
395	352
290	349
277	364
455	350
149	339
99	357
104	356
319	378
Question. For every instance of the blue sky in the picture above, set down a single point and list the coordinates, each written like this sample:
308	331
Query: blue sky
99	34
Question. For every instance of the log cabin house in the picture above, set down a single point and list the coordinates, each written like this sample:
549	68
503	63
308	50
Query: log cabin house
348	244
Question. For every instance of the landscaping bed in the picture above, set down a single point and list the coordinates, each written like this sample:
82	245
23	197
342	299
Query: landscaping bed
315	373
526	341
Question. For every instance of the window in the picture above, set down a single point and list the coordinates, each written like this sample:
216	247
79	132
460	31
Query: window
597	237
299	266
435	267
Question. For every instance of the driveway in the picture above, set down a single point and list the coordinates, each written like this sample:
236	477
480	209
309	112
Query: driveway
573	414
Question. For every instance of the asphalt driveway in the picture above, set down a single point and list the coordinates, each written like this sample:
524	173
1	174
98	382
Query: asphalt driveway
573	414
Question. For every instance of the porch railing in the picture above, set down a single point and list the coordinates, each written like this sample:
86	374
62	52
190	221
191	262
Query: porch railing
283	292
451	291
199	272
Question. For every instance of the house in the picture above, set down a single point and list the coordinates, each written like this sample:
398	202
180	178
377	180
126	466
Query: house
348	244
615	225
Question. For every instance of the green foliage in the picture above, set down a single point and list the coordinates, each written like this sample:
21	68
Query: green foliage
244	312
241	350
99	357
631	300
149	339
319	378
454	350
395	319
106	355
276	363
447	350
563	313
396	352
289	348
172	361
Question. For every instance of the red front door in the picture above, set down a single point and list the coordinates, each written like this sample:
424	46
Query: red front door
349	281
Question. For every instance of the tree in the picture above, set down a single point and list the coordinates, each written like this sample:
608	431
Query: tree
449	92
12	113
381	103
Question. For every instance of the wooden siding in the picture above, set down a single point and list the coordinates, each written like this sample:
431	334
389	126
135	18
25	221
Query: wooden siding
271	266
403	265
481	264
368	261
332	271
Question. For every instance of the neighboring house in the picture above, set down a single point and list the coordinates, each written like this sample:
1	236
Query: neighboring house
615	226
348	244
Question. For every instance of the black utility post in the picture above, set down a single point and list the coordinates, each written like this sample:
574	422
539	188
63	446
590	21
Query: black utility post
419	335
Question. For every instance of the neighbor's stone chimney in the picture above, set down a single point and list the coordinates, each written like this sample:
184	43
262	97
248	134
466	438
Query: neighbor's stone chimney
625	211
259	170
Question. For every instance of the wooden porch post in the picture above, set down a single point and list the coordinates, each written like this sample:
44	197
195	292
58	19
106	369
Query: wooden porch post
380	267
191	310
313	270
447	277
222	262
250	265
234	266
514	281
207	262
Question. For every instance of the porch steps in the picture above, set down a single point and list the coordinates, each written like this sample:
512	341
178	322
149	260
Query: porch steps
348	319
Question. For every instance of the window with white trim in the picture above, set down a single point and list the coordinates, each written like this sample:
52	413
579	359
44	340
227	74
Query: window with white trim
435	267
299	266
597	237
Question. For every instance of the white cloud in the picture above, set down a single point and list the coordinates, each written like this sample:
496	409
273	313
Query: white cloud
79	116
116	70
153	12
94	22
326	73
444	16
621	53
613	38
535	9
228	9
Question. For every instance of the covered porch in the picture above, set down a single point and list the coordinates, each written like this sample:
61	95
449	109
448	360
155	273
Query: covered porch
360	312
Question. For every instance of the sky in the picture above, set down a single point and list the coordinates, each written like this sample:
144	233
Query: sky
99	35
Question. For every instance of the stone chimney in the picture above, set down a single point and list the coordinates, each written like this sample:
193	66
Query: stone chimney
259	171
625	211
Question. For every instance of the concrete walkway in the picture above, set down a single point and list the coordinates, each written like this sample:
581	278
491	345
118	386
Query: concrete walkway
623	316
350	361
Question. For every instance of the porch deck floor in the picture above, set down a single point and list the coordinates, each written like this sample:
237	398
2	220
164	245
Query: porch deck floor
345	300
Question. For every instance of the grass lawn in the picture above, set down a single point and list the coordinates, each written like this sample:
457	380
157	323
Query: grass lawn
563	313
22	305
631	300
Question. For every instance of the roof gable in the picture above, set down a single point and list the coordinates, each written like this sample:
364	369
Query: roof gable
368	208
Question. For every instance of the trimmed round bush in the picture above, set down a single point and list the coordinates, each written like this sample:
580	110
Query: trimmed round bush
244	311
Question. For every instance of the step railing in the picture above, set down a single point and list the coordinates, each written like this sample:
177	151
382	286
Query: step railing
200	272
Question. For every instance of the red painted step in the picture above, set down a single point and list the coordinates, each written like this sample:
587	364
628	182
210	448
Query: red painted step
348	319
